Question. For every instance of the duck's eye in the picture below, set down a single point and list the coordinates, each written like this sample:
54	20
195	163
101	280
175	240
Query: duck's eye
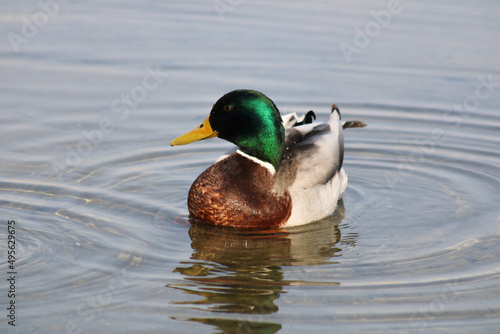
228	107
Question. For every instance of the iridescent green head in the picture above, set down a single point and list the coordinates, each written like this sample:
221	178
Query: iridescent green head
248	119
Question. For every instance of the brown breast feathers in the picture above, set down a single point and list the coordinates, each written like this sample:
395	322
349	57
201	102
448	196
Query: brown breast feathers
238	192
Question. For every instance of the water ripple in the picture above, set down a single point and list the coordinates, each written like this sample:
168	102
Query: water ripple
414	242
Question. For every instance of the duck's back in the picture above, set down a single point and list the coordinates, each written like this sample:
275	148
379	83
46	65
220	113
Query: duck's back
311	169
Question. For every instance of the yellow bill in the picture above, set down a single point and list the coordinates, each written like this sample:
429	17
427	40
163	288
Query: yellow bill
204	131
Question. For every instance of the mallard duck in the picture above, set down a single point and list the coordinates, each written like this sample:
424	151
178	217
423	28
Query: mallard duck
278	177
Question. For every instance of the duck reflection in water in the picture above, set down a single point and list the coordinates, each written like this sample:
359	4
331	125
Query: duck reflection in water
243	272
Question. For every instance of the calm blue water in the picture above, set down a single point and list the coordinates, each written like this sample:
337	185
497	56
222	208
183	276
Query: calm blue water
93	93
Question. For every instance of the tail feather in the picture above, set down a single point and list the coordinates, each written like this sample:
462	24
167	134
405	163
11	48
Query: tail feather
353	124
